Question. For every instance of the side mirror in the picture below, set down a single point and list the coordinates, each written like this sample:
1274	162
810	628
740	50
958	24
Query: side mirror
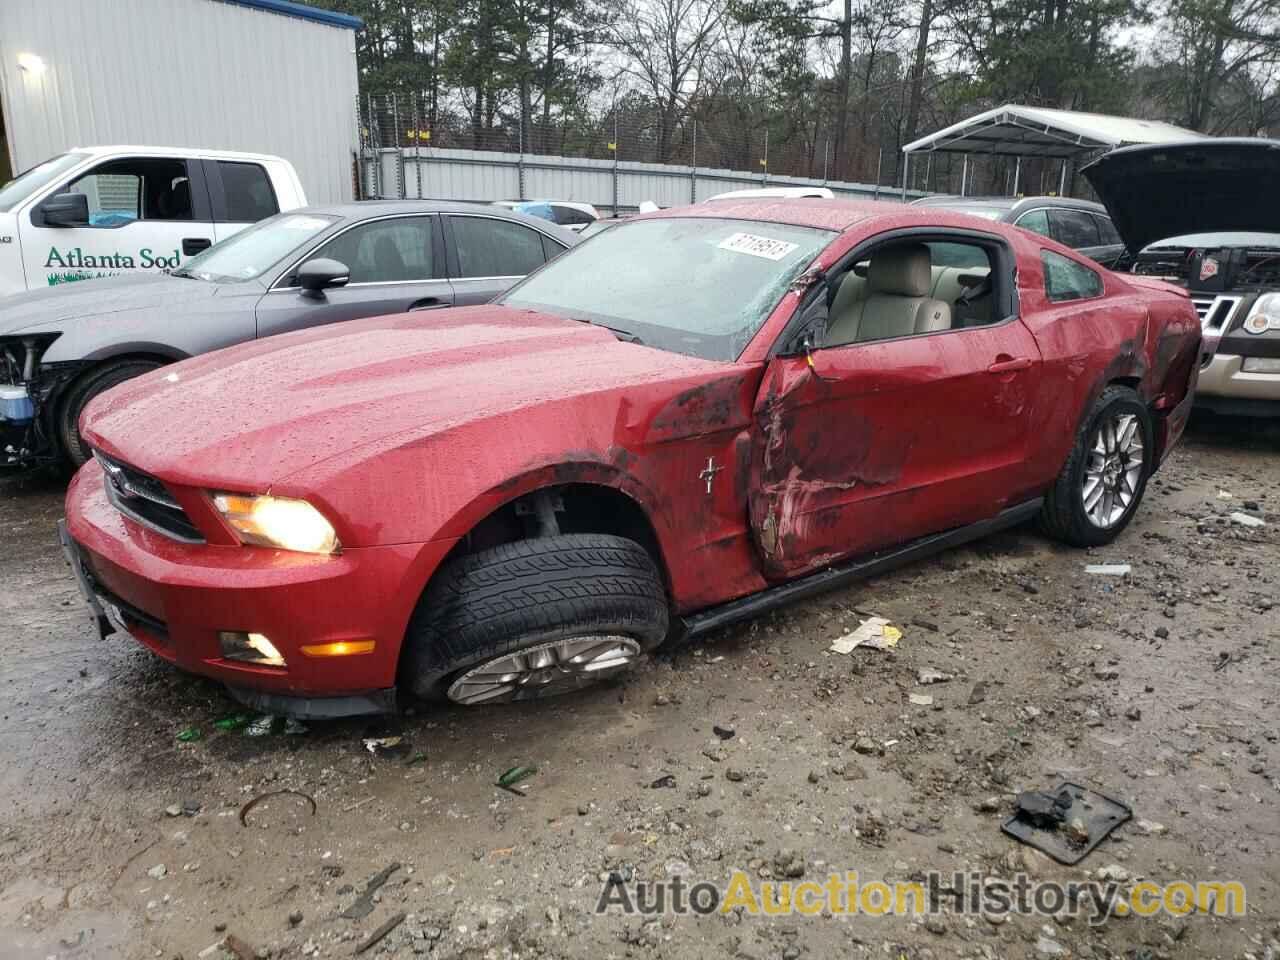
66	210
316	276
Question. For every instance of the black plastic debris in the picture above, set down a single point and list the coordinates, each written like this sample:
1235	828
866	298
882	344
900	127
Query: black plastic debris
1066	822
1045	810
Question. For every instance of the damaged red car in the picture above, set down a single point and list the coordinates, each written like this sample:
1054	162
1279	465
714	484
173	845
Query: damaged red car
685	420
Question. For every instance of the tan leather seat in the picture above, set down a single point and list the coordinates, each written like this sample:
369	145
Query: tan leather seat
895	299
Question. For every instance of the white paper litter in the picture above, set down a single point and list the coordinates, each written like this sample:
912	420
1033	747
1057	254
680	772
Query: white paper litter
1108	569
874	632
1245	520
920	699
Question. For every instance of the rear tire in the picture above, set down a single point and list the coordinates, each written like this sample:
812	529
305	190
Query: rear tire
533	619
1105	476
95	382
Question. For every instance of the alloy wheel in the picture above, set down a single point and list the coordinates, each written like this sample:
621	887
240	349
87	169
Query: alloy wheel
1113	469
545	670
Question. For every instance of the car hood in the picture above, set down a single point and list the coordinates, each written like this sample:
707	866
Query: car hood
1156	191
52	308
252	415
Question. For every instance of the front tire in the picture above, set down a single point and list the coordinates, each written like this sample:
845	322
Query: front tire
82	391
1105	476
534	619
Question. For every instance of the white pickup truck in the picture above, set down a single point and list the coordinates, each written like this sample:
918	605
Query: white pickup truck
98	211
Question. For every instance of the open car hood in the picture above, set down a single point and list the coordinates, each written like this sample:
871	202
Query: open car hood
1157	191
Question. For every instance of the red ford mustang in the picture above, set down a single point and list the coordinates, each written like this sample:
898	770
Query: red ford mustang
687	419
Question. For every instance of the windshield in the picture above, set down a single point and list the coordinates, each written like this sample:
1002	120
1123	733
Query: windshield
697	286
255	250
39	176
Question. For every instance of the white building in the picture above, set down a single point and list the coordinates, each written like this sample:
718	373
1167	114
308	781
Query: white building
263	76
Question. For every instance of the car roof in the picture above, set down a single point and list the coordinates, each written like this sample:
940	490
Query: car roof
137	150
1013	203
837	215
362	209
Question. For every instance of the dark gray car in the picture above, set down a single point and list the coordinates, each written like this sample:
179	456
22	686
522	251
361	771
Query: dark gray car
63	346
1079	224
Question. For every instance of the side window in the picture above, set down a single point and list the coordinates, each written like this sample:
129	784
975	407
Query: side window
1075	228
569	217
1107	231
488	247
385	251
550	248
909	288
122	191
1037	221
248	191
1065	279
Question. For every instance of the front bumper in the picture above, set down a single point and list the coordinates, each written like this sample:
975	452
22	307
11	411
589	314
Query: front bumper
176	597
1225	387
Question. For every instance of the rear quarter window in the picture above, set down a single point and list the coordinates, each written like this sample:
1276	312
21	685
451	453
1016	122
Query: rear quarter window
1066	280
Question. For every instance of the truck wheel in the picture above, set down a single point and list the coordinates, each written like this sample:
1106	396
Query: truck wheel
534	619
84	390
1102	482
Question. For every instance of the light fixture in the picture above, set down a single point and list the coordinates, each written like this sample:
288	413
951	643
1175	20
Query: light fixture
32	64
338	648
250	648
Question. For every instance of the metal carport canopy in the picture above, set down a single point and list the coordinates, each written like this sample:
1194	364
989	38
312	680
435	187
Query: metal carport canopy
1011	130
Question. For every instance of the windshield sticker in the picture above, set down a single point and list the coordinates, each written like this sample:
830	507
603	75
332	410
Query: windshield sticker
755	246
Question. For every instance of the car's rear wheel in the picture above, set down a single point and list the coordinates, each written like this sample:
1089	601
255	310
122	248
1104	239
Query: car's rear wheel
1105	476
534	619
85	389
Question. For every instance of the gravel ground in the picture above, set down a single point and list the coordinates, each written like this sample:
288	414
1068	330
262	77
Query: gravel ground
1159	688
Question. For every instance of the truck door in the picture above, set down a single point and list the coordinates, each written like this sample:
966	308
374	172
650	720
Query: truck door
240	193
139	214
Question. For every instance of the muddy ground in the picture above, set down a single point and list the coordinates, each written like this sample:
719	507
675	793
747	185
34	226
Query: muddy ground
1160	688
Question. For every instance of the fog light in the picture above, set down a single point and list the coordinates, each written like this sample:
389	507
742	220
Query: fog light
250	648
339	648
1261	365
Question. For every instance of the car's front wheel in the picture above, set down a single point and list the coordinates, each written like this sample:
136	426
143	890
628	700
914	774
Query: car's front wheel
1102	482
85	389
534	619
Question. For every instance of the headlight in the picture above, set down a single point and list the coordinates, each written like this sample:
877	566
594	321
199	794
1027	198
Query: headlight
277	522
1265	314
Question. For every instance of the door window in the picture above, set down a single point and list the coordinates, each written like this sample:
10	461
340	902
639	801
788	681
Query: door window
1107	231
571	217
385	251
1037	221
488	247
1064	279
149	188
908	288
248	192
1075	228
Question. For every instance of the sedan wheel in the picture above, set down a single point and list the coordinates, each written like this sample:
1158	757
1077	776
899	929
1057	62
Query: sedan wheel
546	670
1102	481
1113	469
534	619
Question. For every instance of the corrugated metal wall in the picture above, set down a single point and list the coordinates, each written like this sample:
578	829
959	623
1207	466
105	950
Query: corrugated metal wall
485	175
188	73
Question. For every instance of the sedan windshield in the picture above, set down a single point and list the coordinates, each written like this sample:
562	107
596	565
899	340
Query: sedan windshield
28	182
255	250
697	286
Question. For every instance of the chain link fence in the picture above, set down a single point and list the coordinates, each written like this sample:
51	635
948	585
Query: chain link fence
720	146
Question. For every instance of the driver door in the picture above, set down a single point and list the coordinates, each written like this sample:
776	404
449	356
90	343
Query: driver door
396	264
867	445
